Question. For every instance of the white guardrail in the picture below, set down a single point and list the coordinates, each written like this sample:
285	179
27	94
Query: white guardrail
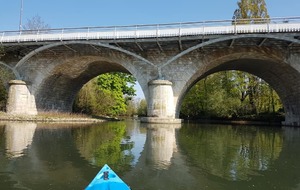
218	27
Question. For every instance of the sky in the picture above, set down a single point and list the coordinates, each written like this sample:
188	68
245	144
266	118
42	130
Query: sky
83	13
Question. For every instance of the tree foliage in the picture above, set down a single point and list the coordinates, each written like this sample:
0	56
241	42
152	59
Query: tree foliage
142	108
3	97
255	11
3	76
107	94
117	82
2	51
230	94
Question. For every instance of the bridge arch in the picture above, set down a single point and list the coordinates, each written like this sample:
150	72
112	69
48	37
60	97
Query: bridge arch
270	65
222	39
55	79
65	43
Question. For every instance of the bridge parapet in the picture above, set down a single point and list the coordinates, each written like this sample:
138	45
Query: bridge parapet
217	27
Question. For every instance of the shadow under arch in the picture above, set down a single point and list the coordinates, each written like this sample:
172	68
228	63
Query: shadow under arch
278	75
58	91
55	82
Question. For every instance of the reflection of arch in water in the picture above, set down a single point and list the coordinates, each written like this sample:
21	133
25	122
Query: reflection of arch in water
18	137
101	143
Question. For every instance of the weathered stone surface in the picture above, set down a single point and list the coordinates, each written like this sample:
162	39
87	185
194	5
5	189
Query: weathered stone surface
161	99
54	73
20	100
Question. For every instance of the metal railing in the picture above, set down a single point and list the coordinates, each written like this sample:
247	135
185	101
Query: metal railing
214	27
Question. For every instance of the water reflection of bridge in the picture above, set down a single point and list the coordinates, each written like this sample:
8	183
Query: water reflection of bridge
40	156
167	157
231	153
18	137
160	161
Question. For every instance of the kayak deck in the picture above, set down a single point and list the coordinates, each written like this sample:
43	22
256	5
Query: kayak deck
107	179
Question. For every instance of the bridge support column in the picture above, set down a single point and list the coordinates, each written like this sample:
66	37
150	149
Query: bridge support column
161	107
20	100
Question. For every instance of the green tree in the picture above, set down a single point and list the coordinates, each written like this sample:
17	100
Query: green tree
142	108
2	51
107	94
117	81
255	11
230	94
196	100
117	85
3	97
3	76
248	87
85	101
213	96
131	107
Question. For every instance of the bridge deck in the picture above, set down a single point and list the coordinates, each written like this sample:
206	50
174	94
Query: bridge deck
227	27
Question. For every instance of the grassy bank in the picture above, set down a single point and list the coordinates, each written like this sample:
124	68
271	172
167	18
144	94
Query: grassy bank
52	117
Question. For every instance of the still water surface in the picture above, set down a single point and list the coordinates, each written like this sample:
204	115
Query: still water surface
150	157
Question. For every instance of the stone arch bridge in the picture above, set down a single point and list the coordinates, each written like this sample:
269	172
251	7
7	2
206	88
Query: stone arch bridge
49	67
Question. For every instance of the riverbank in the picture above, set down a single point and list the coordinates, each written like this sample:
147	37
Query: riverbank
54	117
236	122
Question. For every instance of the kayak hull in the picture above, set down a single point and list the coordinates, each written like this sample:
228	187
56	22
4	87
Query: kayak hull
107	179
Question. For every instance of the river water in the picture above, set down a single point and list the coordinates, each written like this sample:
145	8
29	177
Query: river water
150	157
